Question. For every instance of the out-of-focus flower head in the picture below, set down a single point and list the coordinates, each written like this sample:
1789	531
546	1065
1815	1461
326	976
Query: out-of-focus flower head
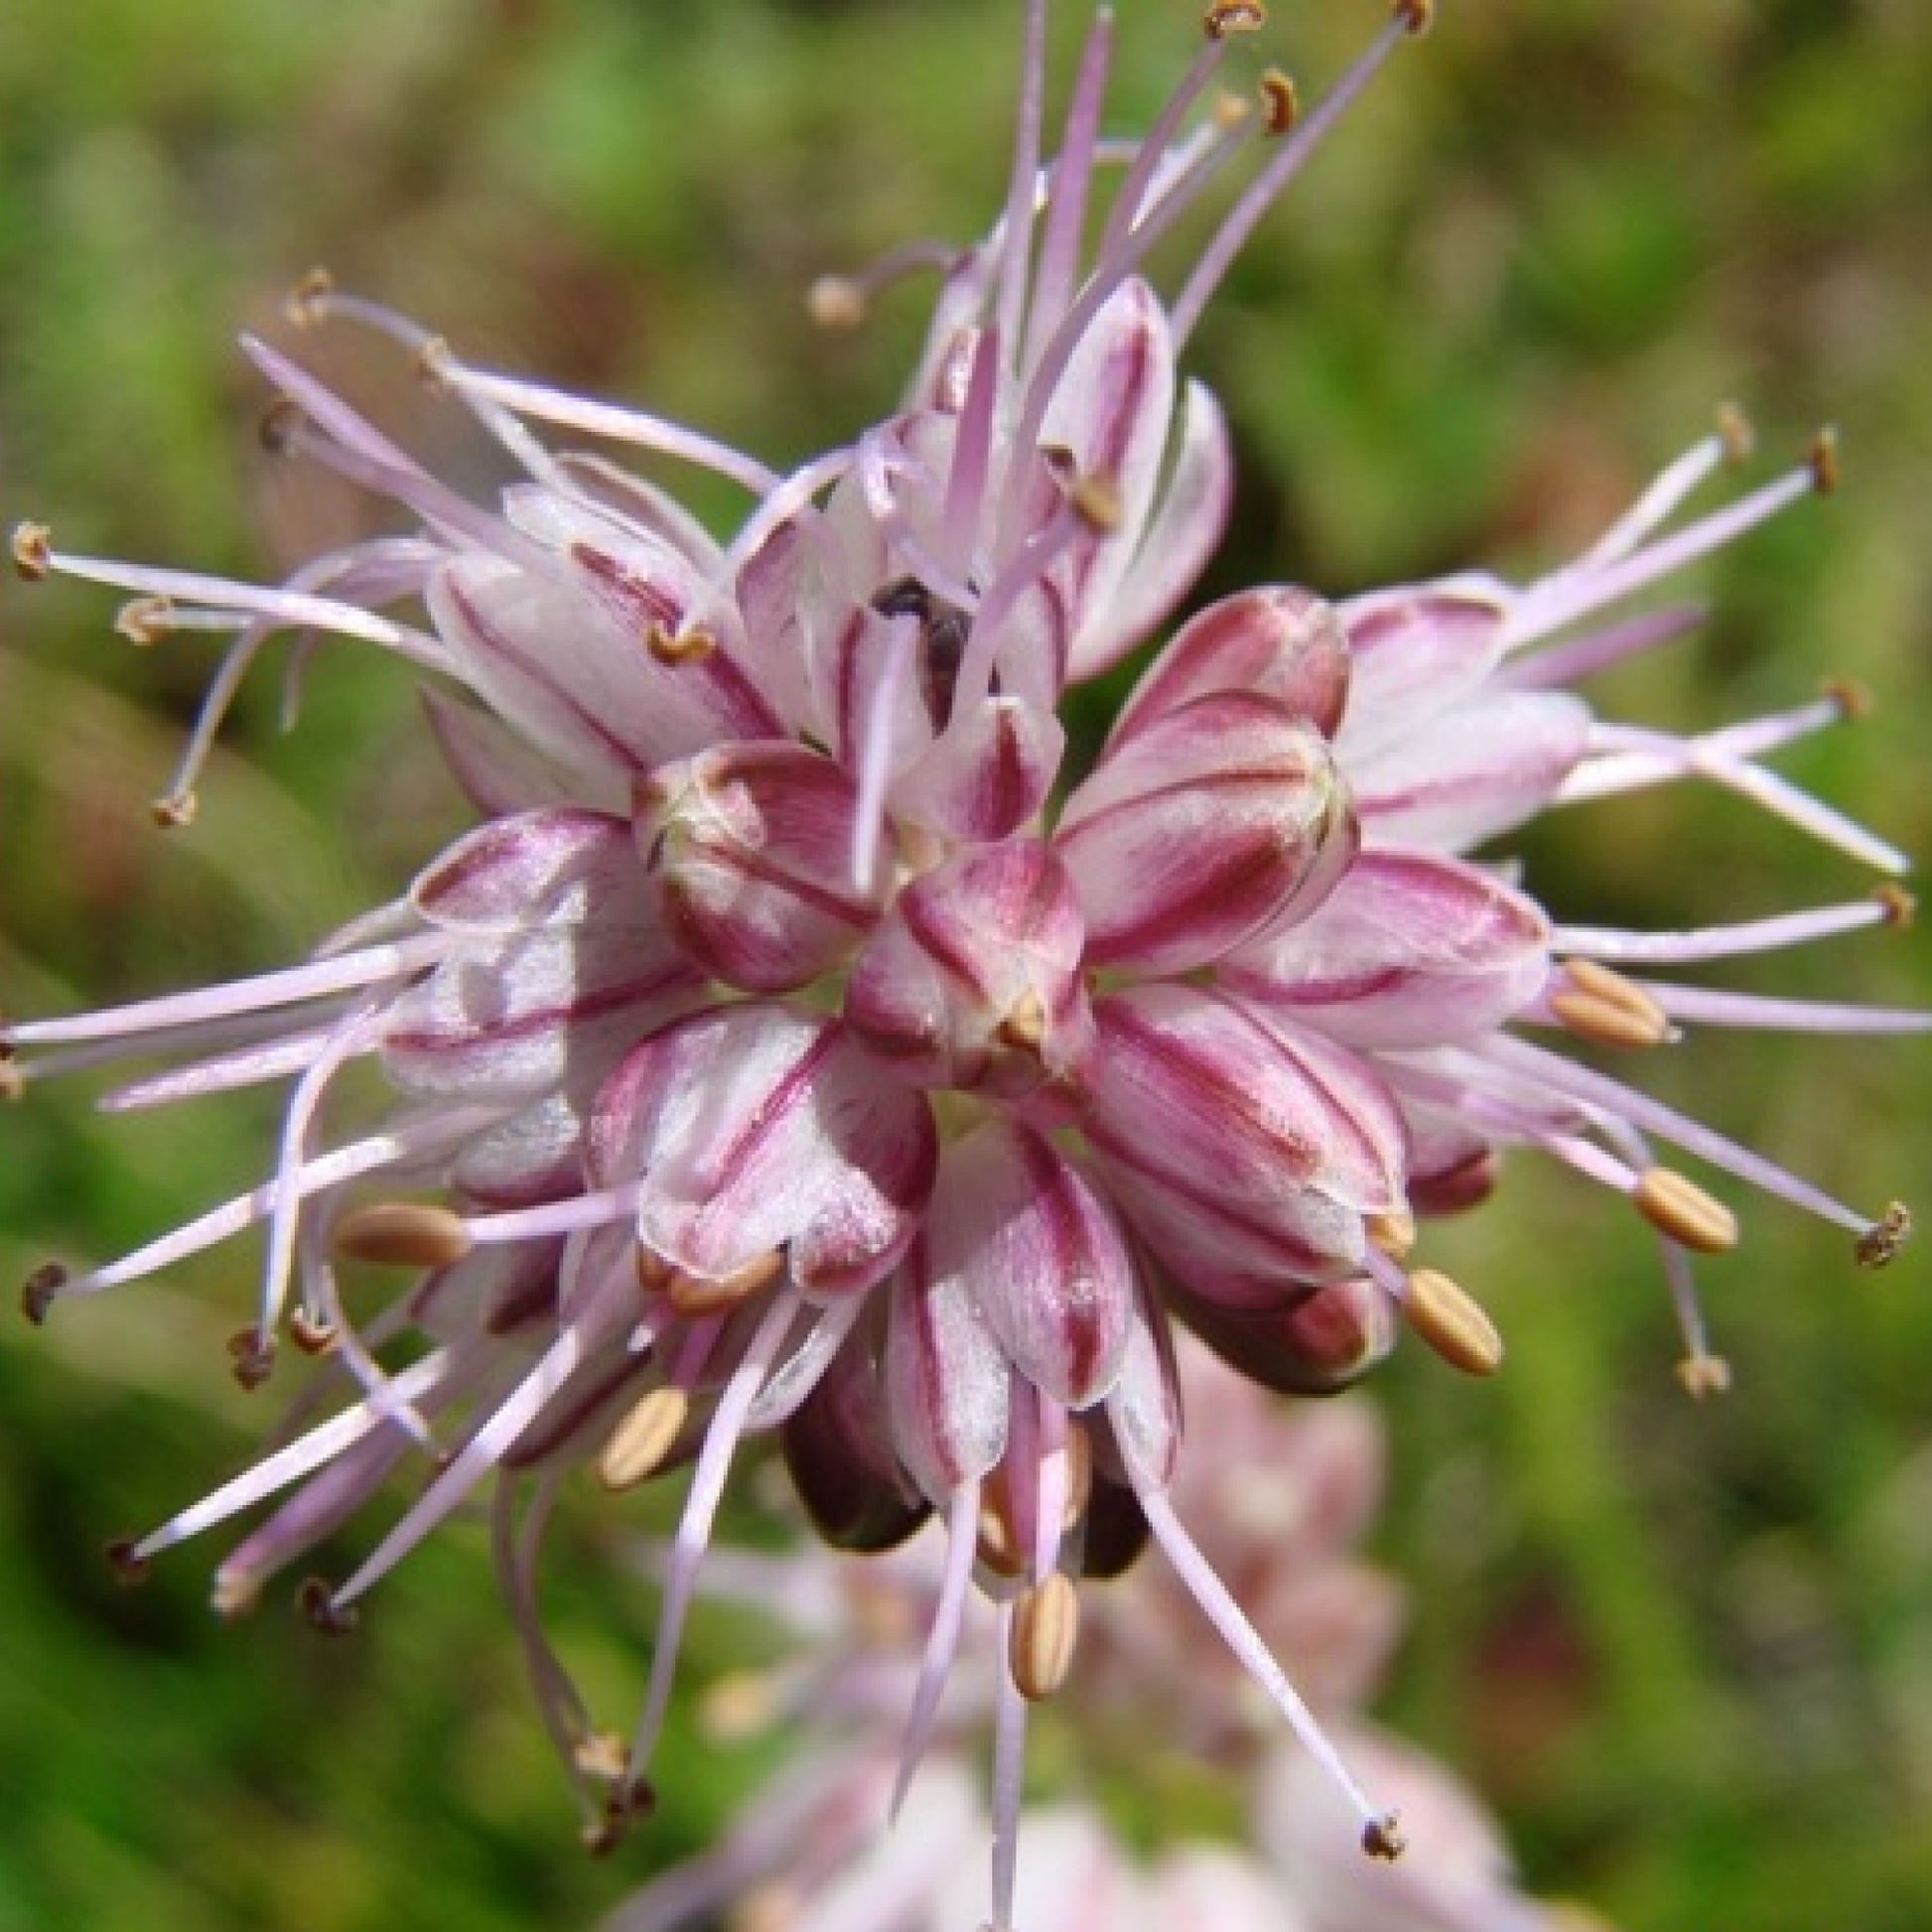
1247	1841
800	1045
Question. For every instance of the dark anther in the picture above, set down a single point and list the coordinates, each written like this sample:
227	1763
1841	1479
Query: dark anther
943	629
124	1557
41	1290
317	1603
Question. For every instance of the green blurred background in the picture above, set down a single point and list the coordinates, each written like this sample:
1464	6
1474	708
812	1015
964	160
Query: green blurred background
1687	1650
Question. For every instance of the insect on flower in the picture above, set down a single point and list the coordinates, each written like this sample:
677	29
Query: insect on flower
800	1046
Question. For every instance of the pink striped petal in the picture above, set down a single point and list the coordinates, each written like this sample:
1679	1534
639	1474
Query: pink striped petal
1279	643
1409	950
973	979
948	1383
1043	1258
1213	821
1415	652
750	847
987	775
1478	771
559	866
1178	540
755	1129
1246	1154
1319	1342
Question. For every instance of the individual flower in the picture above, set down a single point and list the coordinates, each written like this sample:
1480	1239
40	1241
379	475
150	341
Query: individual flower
807	1856
801	1046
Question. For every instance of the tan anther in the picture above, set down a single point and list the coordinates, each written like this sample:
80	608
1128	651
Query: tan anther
1823	461
1900	908
280	427
145	620
235	1592
312	1335
434	362
1046	1628
401	1234
739	1706
316	1600
652	1270
13	1083
1851	699
1703	1376
1602	1007
675	648
1393	1233
1735	431
640	1444
702	1295
252	1357
1879	1244
600	1754
1281	105
836	302
1096	501
128	1562
1675	1205
33	547
1222	22
41	1290
1382	1837
1025	1026
1416	16
174	810
1447	1319
307	304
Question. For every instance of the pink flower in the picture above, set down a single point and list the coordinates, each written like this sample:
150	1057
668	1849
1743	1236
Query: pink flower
800	1045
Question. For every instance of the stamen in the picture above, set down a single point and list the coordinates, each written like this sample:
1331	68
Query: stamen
675	649
1235	17
1044	1628
1448	1320
697	1296
251	1353
33	548
402	1234
1878	1246
41	1290
1704	1376
963	1517
1602	1005
640	1443
1281	105
1676	1206
836	302
1008	1778
318	1603
131	1566
307	304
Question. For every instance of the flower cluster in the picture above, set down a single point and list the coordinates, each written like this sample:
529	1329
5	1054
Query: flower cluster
806	1854
800	1047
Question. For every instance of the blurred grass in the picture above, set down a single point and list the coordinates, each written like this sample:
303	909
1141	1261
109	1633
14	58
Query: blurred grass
1690	1650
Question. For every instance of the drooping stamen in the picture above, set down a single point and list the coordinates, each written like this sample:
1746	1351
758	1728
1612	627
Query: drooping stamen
628	426
1627	946
1045	1626
694	1525
1017	225
322	1446
1009	1780
641	1441
1678	1208
402	1234
942	1638
1381	1837
1602	1005
1066	208
1667	493
1448	1320
1704	1006
1611	1098
1560	600
843	300
1286	161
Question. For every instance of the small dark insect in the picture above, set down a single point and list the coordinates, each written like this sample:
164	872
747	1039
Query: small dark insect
942	640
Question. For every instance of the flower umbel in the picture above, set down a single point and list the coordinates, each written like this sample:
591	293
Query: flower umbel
800	1047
